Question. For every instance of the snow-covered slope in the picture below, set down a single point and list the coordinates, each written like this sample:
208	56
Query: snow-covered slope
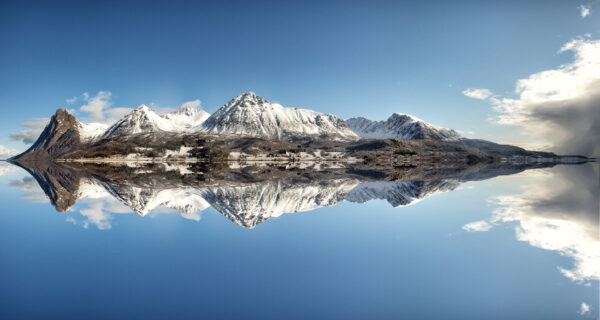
253	116
140	120
187	118
145	120
91	131
400	126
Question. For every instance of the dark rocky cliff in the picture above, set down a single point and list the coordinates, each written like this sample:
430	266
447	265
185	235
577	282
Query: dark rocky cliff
60	136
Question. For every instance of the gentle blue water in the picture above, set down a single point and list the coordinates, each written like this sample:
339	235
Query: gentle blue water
349	261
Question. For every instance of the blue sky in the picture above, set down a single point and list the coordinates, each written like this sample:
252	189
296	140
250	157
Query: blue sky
347	58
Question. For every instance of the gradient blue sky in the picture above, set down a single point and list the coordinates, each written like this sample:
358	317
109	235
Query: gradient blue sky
348	58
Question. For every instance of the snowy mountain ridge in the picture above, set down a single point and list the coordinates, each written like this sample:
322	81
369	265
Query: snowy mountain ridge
144	120
246	115
401	126
251	115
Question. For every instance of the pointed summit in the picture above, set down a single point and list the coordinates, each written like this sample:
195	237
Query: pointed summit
59	137
140	120
253	116
142	108
246	99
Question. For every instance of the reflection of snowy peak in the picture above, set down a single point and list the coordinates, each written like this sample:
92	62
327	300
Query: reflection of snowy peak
249	205
251	115
399	193
185	200
400	126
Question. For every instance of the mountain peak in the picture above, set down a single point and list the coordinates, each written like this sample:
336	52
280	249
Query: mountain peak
187	109
400	126
247	99
142	108
62	112
250	115
60	135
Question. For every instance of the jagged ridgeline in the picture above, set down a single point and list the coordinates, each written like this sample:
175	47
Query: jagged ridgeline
250	129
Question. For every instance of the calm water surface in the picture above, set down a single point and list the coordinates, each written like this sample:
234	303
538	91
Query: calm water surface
523	246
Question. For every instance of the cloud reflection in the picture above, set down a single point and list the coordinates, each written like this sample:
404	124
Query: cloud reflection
561	213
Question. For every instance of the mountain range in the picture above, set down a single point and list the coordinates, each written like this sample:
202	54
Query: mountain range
247	116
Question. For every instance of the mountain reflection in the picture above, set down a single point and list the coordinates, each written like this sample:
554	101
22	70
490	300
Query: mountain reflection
246	195
558	212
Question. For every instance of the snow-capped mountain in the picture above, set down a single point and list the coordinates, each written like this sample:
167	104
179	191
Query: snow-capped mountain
246	115
91	131
186	118
400	126
140	120
253	116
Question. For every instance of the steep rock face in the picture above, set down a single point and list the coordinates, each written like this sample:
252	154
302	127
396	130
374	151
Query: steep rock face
252	116
400	126
60	136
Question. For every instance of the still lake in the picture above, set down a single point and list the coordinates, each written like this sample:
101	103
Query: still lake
521	246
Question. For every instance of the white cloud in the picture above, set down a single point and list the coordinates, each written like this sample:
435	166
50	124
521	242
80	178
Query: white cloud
7	152
72	100
561	106
584	11
36	126
584	309
195	104
95	106
6	167
480	94
477	226
96	215
35	193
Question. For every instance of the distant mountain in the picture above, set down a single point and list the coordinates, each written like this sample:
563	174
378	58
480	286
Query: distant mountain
146	120
252	116
400	126
187	118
